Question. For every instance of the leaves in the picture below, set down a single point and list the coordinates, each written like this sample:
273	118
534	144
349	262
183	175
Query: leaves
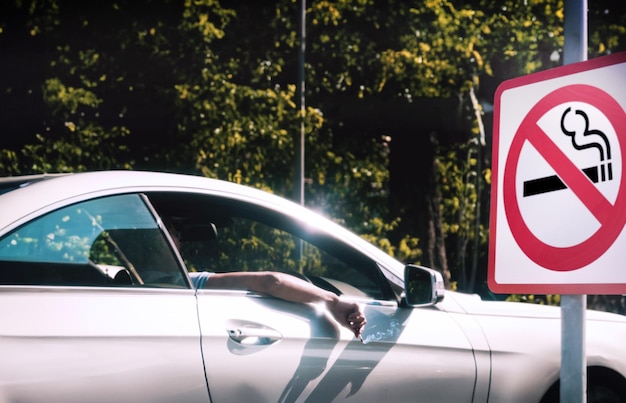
211	89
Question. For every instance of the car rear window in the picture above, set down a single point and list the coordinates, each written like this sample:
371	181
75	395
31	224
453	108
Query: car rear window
106	241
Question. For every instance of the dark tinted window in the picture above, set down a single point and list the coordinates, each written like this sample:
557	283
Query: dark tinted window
225	235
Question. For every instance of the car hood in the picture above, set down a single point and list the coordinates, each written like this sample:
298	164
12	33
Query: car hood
474	305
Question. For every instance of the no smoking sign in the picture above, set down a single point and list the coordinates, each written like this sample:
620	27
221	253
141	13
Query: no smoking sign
558	197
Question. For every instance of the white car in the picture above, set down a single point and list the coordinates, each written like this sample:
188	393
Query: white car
96	304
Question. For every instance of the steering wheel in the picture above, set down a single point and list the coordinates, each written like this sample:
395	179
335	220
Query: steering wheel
299	275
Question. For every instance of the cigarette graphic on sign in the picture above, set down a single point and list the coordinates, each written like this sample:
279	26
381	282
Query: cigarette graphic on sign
602	172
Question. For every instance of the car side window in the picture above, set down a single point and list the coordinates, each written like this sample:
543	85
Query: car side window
109	241
248	245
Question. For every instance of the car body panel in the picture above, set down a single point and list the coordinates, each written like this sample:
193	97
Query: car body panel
305	356
526	338
150	344
100	345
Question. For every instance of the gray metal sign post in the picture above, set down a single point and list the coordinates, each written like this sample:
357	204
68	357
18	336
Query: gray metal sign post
573	386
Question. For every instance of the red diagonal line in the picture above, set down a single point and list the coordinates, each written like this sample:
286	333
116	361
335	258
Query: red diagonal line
571	175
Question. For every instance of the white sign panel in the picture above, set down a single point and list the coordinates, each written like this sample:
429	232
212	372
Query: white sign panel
558	196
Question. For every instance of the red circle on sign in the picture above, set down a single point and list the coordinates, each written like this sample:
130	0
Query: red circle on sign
611	216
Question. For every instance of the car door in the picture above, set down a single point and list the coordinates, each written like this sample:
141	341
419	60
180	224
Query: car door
257	348
95	307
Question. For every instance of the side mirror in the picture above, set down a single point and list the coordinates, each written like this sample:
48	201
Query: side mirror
422	286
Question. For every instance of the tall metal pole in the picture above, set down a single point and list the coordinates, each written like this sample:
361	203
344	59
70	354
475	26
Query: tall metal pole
573	307
299	138
299	143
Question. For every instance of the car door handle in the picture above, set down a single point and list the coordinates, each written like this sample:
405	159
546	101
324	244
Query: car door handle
254	335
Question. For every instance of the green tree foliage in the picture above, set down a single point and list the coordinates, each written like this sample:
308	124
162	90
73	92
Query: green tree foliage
397	141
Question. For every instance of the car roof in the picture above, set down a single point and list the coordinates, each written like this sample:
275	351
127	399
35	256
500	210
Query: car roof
24	195
10	183
32	196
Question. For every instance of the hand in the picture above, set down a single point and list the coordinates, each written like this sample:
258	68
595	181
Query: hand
349	315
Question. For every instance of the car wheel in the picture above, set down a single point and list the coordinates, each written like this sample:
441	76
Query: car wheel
603	386
604	394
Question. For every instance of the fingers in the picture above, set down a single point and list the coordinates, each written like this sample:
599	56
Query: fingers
356	322
349	315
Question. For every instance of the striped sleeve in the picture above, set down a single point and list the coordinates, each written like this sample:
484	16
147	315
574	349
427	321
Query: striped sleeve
198	279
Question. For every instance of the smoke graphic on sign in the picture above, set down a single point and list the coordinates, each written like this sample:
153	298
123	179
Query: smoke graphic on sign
602	172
